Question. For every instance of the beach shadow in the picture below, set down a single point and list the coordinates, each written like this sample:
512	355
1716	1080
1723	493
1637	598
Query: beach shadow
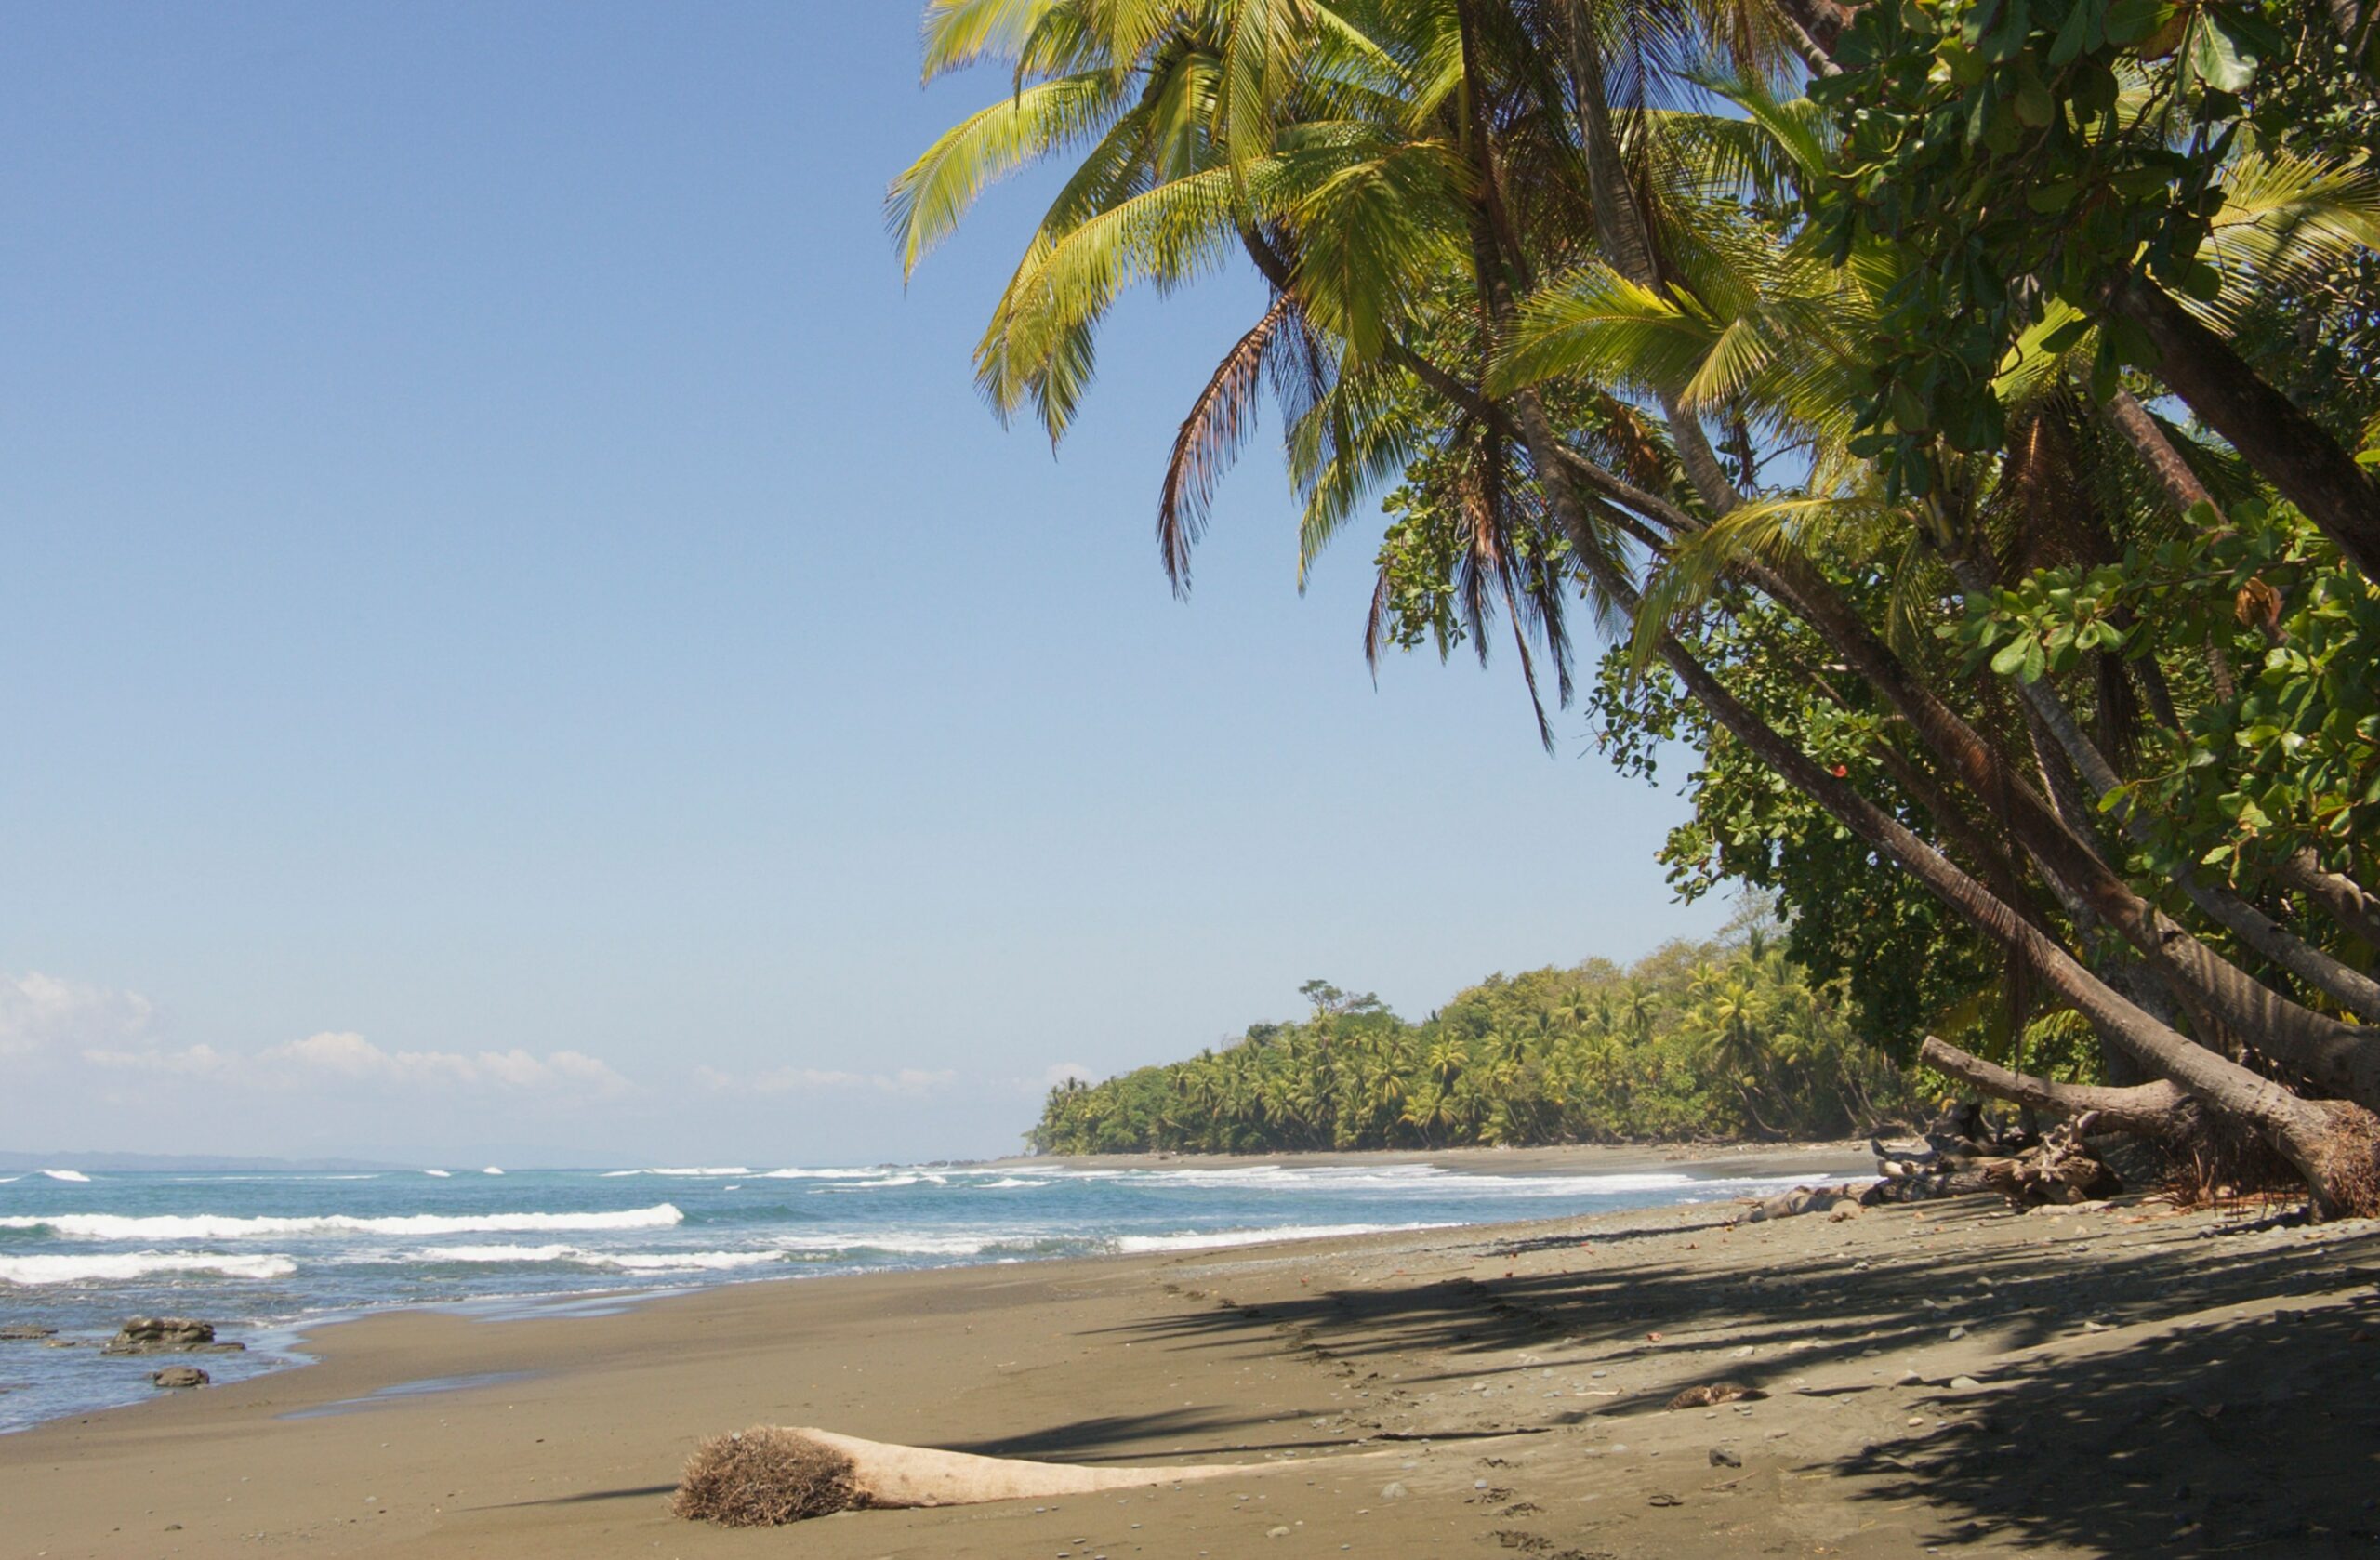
2235	1435
2254	1437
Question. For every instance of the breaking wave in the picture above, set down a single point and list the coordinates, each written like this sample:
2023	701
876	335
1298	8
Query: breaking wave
217	1226
124	1266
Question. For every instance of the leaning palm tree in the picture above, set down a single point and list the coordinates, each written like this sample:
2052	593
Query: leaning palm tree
1403	174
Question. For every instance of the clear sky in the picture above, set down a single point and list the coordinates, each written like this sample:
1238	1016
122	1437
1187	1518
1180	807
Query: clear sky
518	638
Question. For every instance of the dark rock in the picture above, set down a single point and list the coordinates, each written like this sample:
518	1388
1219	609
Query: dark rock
167	1335
1713	1394
17	1330
182	1376
1721	1458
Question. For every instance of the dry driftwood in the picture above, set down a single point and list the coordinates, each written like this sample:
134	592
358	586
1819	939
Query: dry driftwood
772	1475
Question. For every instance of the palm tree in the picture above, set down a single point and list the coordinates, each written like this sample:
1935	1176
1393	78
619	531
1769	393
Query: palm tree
1363	157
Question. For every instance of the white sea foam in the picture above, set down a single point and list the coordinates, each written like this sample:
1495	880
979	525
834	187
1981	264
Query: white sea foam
65	1175
492	1171
624	1261
440	1174
1010	1181
218	1226
121	1267
871	1173
699	1169
1198	1240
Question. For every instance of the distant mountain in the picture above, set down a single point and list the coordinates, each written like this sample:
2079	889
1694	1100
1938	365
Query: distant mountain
187	1162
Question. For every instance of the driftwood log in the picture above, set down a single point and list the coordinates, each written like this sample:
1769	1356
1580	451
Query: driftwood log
2157	1110
2064	1165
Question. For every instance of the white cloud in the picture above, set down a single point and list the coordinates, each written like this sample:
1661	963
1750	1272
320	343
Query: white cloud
1063	1072
345	1056
341	1057
38	1010
786	1080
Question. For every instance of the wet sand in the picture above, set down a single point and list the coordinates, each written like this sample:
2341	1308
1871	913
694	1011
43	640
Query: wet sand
1951	1377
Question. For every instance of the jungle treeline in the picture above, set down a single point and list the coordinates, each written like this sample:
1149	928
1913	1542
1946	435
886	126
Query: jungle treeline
1697	1041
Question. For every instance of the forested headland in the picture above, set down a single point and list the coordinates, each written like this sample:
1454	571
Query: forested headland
1722	1040
1956	422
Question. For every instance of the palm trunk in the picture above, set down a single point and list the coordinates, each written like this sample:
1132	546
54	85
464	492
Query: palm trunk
2293	450
2348	902
2341	1058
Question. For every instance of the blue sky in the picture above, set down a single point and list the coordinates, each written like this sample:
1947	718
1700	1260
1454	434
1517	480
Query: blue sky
519	637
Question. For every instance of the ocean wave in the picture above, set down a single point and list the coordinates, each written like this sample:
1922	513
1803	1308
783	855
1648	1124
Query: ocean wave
1009	1181
1198	1240
440	1174
625	1261
871	1173
492	1171
121	1267
217	1226
66	1175
687	1169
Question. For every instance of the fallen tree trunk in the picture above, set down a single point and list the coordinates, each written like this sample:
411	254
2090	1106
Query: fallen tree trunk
2157	1110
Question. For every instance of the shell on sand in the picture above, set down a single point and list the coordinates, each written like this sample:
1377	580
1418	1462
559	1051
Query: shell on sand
894	1476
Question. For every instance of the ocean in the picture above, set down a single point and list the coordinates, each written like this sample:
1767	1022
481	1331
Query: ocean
265	1255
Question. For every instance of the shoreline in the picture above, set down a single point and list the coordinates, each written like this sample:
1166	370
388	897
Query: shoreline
278	1341
1614	1158
1518	1374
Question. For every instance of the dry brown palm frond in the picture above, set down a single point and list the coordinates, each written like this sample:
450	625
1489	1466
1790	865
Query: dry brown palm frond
1219	420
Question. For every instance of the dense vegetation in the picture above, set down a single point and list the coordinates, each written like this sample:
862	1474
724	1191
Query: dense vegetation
1697	1041
1958	416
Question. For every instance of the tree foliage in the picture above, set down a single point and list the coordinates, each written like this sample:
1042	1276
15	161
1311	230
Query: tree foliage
1954	416
1724	1039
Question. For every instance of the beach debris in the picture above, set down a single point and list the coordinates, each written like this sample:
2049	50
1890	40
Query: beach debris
770	1474
1663	1499
1711	1392
180	1376
764	1478
1828	1200
167	1335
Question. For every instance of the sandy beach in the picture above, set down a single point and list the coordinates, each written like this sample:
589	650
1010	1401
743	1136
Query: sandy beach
1950	1377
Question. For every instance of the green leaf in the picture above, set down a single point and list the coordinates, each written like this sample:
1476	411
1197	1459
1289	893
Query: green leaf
2080	32
2131	20
2218	57
2012	655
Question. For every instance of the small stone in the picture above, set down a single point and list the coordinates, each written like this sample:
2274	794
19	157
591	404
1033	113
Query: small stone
1962	1383
1276	1532
180	1376
1958	1332
1721	1458
1664	1500
1909	1378
1391	1491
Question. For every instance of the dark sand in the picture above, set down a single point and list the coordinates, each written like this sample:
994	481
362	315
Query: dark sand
1949	1378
